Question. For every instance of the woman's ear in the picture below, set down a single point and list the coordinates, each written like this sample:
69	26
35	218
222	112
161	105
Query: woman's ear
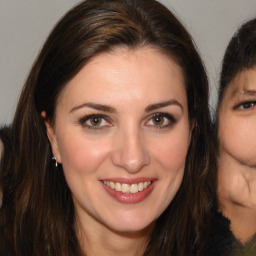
51	136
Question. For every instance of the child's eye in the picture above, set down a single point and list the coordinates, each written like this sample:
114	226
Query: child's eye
246	105
95	121
161	120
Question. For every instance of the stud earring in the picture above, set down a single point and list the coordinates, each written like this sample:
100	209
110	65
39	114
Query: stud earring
56	163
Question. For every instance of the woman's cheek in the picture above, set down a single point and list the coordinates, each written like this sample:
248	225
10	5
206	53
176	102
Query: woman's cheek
171	152
82	154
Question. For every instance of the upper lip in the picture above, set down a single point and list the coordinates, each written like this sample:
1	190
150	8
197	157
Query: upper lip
129	181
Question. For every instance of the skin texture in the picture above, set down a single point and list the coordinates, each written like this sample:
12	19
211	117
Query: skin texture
129	143
237	164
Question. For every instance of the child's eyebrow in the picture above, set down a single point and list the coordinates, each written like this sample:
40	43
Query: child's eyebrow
243	91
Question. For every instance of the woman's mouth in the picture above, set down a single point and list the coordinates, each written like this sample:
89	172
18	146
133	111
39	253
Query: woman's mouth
128	188
129	192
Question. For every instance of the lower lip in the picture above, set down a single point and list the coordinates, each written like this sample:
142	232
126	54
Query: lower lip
129	198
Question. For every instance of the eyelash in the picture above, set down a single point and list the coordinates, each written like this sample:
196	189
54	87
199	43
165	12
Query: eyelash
241	106
89	118
103	118
170	119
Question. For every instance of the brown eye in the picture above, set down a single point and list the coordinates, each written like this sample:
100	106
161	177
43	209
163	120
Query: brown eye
158	120
95	121
161	120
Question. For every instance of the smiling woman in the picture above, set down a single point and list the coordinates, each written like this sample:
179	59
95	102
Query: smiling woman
118	98
130	150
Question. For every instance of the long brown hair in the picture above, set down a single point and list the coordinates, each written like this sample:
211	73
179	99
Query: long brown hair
44	211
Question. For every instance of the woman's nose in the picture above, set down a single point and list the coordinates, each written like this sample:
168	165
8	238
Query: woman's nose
130	152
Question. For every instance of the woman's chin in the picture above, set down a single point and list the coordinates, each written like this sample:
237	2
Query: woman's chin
132	227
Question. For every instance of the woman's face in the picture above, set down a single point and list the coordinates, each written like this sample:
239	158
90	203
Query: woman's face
121	133
237	120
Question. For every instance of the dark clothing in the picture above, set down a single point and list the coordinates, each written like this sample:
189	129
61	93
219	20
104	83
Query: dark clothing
248	249
221	238
223	242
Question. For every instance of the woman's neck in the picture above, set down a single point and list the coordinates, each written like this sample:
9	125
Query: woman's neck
237	196
97	239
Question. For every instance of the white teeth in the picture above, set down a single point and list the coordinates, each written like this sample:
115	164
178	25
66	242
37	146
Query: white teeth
126	188
141	187
134	189
117	187
112	184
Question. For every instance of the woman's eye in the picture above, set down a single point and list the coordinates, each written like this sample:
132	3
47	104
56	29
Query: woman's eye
161	120
94	121
246	105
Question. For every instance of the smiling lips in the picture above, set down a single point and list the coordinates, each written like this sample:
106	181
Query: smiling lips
126	188
129	192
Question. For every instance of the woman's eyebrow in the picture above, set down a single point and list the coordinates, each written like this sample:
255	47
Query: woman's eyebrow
106	108
163	104
96	106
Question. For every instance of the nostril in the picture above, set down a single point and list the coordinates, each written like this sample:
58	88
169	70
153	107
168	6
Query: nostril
131	165
130	152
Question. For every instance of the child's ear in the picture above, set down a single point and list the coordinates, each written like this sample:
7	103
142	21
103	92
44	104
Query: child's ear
52	137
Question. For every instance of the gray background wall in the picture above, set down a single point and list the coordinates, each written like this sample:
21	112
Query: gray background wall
24	25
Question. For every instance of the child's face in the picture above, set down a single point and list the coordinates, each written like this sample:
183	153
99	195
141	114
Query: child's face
237	120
